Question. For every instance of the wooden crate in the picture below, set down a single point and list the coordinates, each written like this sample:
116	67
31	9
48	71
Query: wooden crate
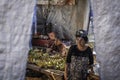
49	73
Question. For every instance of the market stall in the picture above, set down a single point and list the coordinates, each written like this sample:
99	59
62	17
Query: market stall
51	66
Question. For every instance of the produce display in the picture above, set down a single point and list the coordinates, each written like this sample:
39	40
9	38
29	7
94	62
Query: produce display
44	60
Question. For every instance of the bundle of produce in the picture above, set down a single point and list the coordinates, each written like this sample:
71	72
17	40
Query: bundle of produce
44	60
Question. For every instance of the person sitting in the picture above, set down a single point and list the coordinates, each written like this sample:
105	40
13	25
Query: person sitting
55	45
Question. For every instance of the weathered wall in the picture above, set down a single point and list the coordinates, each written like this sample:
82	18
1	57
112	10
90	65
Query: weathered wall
67	19
15	31
107	37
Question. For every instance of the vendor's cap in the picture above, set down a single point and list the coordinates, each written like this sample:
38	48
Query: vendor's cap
81	33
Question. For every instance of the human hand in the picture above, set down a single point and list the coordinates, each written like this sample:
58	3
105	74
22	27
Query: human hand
90	69
49	49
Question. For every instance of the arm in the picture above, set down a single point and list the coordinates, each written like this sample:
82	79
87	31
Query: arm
65	73
63	50
68	61
91	60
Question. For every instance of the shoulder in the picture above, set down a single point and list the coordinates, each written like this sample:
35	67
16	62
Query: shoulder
73	46
89	48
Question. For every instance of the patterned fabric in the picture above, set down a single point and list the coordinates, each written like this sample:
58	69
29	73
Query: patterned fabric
78	68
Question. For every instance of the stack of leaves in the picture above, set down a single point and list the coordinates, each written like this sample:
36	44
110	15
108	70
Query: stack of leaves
44	60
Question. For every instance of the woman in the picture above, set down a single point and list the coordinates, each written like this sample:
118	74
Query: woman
79	58
55	45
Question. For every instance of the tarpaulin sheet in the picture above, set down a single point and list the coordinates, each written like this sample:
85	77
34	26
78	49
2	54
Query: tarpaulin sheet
15	31
107	37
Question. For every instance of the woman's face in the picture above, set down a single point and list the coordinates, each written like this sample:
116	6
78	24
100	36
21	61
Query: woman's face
80	41
51	35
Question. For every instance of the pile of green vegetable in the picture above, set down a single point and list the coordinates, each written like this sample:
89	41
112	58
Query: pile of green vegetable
44	60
